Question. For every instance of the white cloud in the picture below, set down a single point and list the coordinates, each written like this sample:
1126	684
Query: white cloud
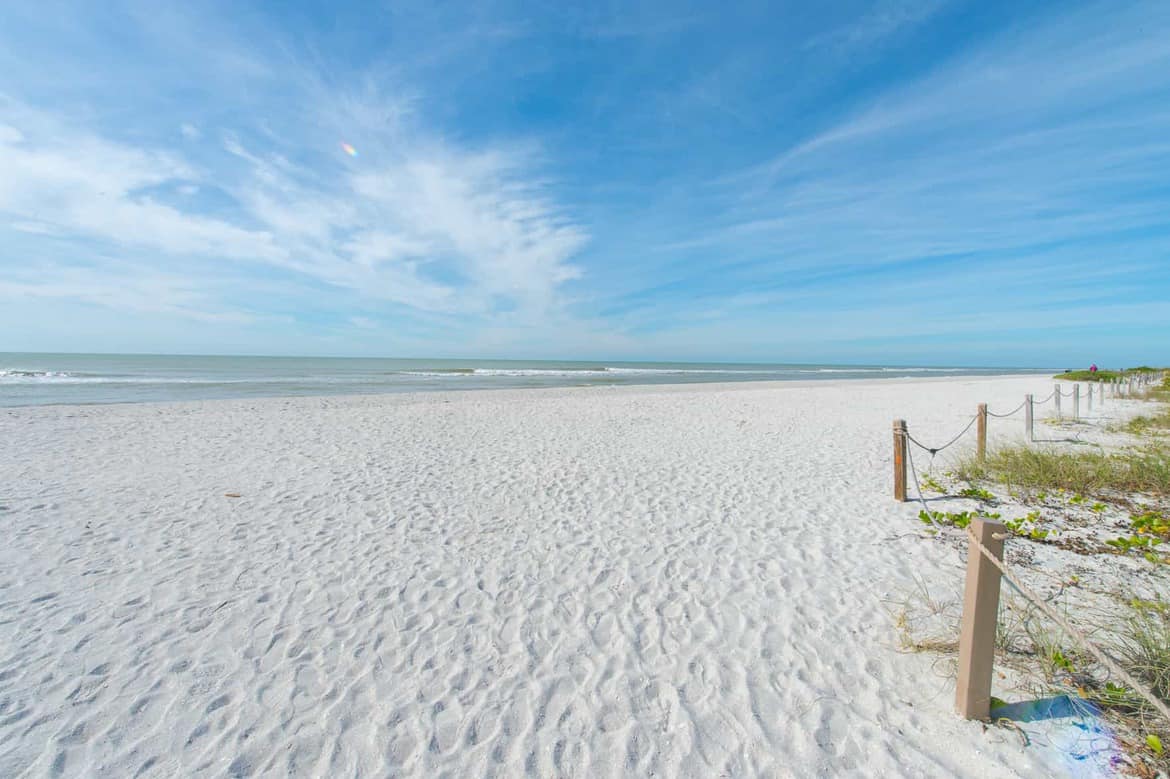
413	212
84	184
190	131
503	235
429	227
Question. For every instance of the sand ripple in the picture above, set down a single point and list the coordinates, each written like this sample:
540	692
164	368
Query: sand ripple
596	583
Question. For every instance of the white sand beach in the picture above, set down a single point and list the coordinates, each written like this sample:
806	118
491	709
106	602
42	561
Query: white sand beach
592	582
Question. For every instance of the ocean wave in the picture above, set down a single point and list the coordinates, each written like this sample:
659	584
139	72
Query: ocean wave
921	370
535	372
579	372
63	377
24	376
19	376
879	370
435	372
677	371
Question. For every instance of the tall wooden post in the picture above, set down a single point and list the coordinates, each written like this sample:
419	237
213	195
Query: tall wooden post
1028	418
900	459
1101	395
1090	398
1056	397
981	431
977	632
1076	401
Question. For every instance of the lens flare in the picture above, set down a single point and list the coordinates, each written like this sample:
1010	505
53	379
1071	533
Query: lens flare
351	151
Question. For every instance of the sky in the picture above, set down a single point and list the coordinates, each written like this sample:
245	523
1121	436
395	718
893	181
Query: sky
901	181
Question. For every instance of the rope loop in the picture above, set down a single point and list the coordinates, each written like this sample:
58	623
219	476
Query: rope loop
936	449
1010	413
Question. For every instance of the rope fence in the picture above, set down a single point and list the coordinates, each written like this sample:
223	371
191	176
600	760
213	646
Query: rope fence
985	565
999	532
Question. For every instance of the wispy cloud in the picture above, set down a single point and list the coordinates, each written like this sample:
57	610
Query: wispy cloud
1041	151
416	220
882	21
81	183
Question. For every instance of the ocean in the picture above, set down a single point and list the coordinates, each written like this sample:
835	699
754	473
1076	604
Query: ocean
39	379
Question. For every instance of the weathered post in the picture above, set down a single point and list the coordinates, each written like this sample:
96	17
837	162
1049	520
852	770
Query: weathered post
981	431
980	611
900	460
1090	398
1101	395
1028	417
1076	401
1056	397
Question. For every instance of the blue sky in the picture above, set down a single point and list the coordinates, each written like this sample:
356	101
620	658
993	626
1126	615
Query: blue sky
936	182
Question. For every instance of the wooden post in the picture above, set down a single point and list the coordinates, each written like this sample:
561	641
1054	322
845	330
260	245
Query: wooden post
1090	398
1101	395
1056	397
1028	417
900	460
980	611
1076	401
981	431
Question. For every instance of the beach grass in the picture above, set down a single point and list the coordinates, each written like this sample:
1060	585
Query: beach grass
1094	472
1149	423
1089	375
1141	644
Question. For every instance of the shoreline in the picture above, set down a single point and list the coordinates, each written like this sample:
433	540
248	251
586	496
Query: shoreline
743	384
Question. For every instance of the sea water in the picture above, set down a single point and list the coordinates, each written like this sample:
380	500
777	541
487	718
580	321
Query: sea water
37	379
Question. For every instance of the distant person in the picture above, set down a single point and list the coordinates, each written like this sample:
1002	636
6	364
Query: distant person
1093	368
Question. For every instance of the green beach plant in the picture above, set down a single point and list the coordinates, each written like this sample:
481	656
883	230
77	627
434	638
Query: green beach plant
959	519
1084	473
1088	375
977	493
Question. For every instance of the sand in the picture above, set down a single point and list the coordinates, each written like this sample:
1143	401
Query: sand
668	581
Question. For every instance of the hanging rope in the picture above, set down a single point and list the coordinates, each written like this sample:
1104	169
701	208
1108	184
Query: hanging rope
936	449
1014	411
